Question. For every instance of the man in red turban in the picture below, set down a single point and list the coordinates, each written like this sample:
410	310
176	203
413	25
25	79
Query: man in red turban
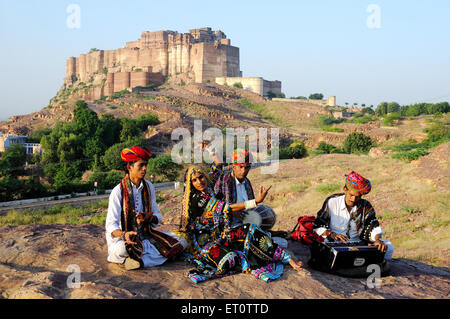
232	185
348	216
135	153
132	212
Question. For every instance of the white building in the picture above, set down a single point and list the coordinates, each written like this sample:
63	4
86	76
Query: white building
8	140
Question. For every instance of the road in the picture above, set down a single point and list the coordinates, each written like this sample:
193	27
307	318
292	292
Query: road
77	201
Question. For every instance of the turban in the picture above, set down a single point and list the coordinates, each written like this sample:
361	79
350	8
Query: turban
135	153
240	156
356	182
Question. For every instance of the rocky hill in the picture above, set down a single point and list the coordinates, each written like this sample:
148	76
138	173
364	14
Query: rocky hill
218	106
35	260
410	205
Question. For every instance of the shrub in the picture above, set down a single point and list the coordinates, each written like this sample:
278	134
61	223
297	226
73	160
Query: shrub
164	166
357	143
106	180
295	150
368	110
316	96
333	129
391	118
145	120
364	119
410	155
324	148
329	120
112	159
238	85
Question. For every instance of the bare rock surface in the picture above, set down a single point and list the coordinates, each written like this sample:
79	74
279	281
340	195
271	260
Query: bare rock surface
37	261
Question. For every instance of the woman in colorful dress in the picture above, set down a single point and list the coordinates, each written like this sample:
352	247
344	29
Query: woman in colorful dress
218	250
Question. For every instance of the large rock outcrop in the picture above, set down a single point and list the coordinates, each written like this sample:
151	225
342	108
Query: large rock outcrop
38	261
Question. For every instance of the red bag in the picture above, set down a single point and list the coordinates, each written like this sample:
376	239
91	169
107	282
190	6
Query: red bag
304	231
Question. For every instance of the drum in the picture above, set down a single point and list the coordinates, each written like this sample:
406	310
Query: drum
263	216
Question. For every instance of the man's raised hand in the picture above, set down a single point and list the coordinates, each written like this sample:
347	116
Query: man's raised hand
262	193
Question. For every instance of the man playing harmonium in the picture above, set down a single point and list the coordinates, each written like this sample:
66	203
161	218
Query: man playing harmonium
348	217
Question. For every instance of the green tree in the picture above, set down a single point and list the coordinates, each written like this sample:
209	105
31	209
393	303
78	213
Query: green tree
38	134
368	110
13	158
94	147
109	130
382	108
129	129
85	120
324	148
316	96
70	147
297	150
416	109
145	120
357	142
393	107
390	118
10	188
271	95
112	160
164	166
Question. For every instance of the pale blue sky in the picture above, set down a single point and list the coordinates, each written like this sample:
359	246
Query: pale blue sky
311	46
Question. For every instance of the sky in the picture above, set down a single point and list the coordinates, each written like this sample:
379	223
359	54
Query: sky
359	51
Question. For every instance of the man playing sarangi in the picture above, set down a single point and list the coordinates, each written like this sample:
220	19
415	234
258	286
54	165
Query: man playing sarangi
132	215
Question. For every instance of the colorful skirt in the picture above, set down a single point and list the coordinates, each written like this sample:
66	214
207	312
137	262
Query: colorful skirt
248	249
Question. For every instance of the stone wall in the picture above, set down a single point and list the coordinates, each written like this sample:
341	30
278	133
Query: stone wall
255	84
204	52
116	82
271	86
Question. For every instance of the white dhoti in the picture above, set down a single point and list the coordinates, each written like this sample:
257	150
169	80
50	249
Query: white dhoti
117	252
151	257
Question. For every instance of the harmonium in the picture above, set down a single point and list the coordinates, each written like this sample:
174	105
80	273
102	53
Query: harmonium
332	256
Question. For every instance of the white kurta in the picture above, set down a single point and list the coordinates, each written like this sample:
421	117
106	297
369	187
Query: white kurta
340	219
116	246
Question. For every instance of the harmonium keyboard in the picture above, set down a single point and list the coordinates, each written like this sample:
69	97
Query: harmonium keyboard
337	255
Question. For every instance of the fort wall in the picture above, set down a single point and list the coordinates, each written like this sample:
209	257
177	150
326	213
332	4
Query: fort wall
203	52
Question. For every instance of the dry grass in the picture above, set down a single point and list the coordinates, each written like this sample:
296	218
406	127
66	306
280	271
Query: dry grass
413	214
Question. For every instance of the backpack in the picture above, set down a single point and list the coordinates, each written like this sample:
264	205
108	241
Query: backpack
304	232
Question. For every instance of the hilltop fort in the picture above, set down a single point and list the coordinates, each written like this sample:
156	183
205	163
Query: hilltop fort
202	55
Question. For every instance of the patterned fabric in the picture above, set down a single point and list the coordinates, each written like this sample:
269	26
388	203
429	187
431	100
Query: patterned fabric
271	272
364	217
188	192
240	156
168	246
225	186
247	249
218	250
357	183
135	153
128	217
